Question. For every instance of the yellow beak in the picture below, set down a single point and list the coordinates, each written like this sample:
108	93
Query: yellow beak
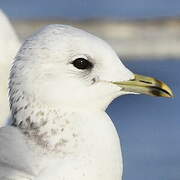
146	85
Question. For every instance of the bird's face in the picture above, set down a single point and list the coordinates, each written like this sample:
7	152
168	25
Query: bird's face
65	66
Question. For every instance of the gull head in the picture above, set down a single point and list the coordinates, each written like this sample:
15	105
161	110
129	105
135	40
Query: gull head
64	66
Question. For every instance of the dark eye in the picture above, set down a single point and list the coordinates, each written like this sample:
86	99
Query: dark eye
82	63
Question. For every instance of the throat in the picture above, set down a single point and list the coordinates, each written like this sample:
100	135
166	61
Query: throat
66	131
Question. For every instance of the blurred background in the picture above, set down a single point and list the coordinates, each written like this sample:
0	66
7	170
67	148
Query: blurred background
146	36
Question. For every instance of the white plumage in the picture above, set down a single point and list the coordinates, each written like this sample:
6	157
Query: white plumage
9	45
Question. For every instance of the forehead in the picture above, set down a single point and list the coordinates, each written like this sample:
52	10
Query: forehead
67	38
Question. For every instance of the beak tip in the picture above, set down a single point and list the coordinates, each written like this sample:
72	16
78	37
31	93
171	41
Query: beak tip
169	91
172	95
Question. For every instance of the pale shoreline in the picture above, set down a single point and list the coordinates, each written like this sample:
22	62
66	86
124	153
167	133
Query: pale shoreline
140	39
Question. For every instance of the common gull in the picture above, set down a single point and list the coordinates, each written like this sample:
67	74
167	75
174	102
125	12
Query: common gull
61	83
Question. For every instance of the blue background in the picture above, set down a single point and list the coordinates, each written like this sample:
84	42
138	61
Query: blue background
90	8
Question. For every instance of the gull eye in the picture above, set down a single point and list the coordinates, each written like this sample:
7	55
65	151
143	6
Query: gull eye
82	63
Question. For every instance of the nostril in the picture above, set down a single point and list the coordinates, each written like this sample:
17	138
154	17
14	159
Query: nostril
147	82
93	80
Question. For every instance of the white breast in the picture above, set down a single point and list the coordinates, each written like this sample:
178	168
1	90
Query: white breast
94	153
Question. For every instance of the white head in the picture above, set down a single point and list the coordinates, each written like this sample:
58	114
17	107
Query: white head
66	67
